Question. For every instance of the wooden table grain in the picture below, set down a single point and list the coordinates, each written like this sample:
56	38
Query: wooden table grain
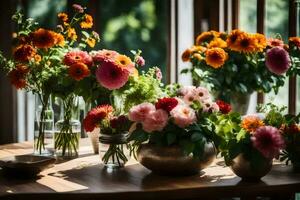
85	178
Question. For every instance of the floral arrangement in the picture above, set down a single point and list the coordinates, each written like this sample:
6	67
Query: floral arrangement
37	64
250	136
179	119
225	61
103	117
289	128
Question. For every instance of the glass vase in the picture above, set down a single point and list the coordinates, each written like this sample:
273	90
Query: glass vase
114	150
43	125
68	129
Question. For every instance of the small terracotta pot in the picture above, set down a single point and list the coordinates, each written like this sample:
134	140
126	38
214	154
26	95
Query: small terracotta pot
243	168
172	161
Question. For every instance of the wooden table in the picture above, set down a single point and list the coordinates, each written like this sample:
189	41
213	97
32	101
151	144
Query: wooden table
84	178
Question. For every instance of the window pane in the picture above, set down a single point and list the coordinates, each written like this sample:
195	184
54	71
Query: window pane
133	24
277	23
247	20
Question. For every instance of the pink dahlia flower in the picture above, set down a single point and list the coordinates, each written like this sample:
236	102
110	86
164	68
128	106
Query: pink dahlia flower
139	112
111	76
102	55
155	121
183	116
268	141
278	60
77	56
189	98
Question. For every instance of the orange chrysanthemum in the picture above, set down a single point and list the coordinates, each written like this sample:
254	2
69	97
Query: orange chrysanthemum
232	39
78	71
43	38
186	55
37	58
217	42
261	42
251	123
295	41
246	43
17	76
63	16
206	37
60	40
215	57
24	53
71	33
87	22
198	48
91	42
197	56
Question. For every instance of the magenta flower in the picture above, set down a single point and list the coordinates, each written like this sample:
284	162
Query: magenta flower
268	141
278	60
112	76
78	8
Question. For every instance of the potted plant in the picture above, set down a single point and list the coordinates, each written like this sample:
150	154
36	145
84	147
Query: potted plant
173	136
247	144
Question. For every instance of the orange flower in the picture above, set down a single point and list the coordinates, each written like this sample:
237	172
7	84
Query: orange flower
251	123
246	43
124	61
205	37
43	38
17	76
261	42
37	58
88	22
197	56
215	57
198	49
233	38
24	53
295	41
63	16
60	40
217	42
186	55
79	71
71	33
91	42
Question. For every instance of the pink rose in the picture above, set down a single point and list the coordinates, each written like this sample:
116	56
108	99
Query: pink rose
183	116
155	121
139	112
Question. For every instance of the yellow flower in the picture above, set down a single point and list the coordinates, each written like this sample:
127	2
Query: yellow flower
124	61
88	22
197	56
251	123
215	57
60	40
217	42
205	37
63	16
91	42
37	58
261	42
71	33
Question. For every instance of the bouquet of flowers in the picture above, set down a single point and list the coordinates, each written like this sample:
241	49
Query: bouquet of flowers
249	139
290	130
114	132
37	64
237	63
182	119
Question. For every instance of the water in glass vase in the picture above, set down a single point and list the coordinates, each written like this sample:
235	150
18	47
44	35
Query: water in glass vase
43	130
66	139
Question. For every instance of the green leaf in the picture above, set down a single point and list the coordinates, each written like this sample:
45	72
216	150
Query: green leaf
188	146
241	135
197	137
171	138
184	71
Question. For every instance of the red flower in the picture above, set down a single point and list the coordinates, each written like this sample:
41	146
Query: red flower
166	104
18	76
224	107
95	116
117	122
78	71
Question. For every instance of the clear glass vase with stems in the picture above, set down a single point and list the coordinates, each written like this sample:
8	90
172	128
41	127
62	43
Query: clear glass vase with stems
43	125
68	129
